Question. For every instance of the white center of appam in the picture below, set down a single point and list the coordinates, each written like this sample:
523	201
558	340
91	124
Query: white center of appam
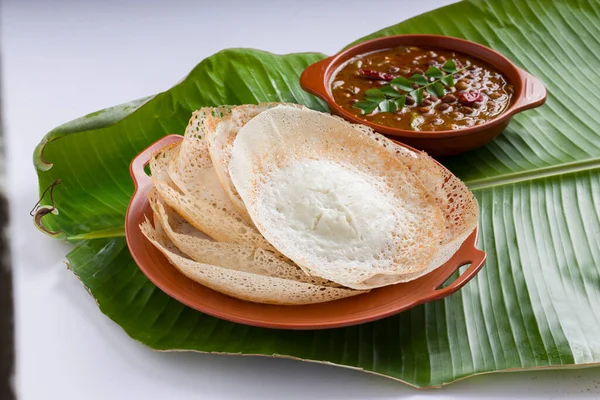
334	210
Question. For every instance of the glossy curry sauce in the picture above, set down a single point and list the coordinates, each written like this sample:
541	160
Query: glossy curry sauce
480	92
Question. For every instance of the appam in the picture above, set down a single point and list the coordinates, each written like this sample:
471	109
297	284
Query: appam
325	195
204	207
220	130
240	257
459	206
243	285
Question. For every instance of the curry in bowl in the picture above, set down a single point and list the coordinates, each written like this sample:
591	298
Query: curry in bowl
421	89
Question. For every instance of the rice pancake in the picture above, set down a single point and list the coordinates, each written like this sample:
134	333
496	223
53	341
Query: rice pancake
201	207
201	248
241	284
458	204
324	194
220	130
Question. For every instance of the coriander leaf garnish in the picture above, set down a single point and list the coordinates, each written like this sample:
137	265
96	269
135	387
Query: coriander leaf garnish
400	102
438	89
389	91
419	79
449	67
448	80
366	106
402	83
374	94
387	106
392	97
434	72
417	94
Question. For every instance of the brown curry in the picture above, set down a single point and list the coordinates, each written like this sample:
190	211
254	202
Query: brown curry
476	94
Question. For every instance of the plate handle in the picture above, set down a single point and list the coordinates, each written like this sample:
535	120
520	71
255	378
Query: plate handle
136	168
533	92
312	79
476	258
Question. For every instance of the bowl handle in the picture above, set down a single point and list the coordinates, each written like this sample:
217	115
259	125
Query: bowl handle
136	168
312	79
473	256
533	94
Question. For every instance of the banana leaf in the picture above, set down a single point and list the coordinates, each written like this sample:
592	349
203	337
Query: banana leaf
535	304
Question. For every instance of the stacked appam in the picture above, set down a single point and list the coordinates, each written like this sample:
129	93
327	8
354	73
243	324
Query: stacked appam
279	204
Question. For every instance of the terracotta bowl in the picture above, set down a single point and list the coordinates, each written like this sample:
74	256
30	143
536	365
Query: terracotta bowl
529	92
376	304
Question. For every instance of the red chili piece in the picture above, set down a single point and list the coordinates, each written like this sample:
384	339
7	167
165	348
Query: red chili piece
468	98
380	76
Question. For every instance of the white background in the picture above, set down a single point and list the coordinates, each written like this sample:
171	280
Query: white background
61	60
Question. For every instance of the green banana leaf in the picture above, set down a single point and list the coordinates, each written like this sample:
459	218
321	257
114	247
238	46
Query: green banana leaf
536	303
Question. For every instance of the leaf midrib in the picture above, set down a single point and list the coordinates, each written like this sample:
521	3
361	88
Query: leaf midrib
474	185
102	234
534	174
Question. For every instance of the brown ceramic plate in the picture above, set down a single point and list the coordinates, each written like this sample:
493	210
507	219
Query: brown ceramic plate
529	92
376	304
